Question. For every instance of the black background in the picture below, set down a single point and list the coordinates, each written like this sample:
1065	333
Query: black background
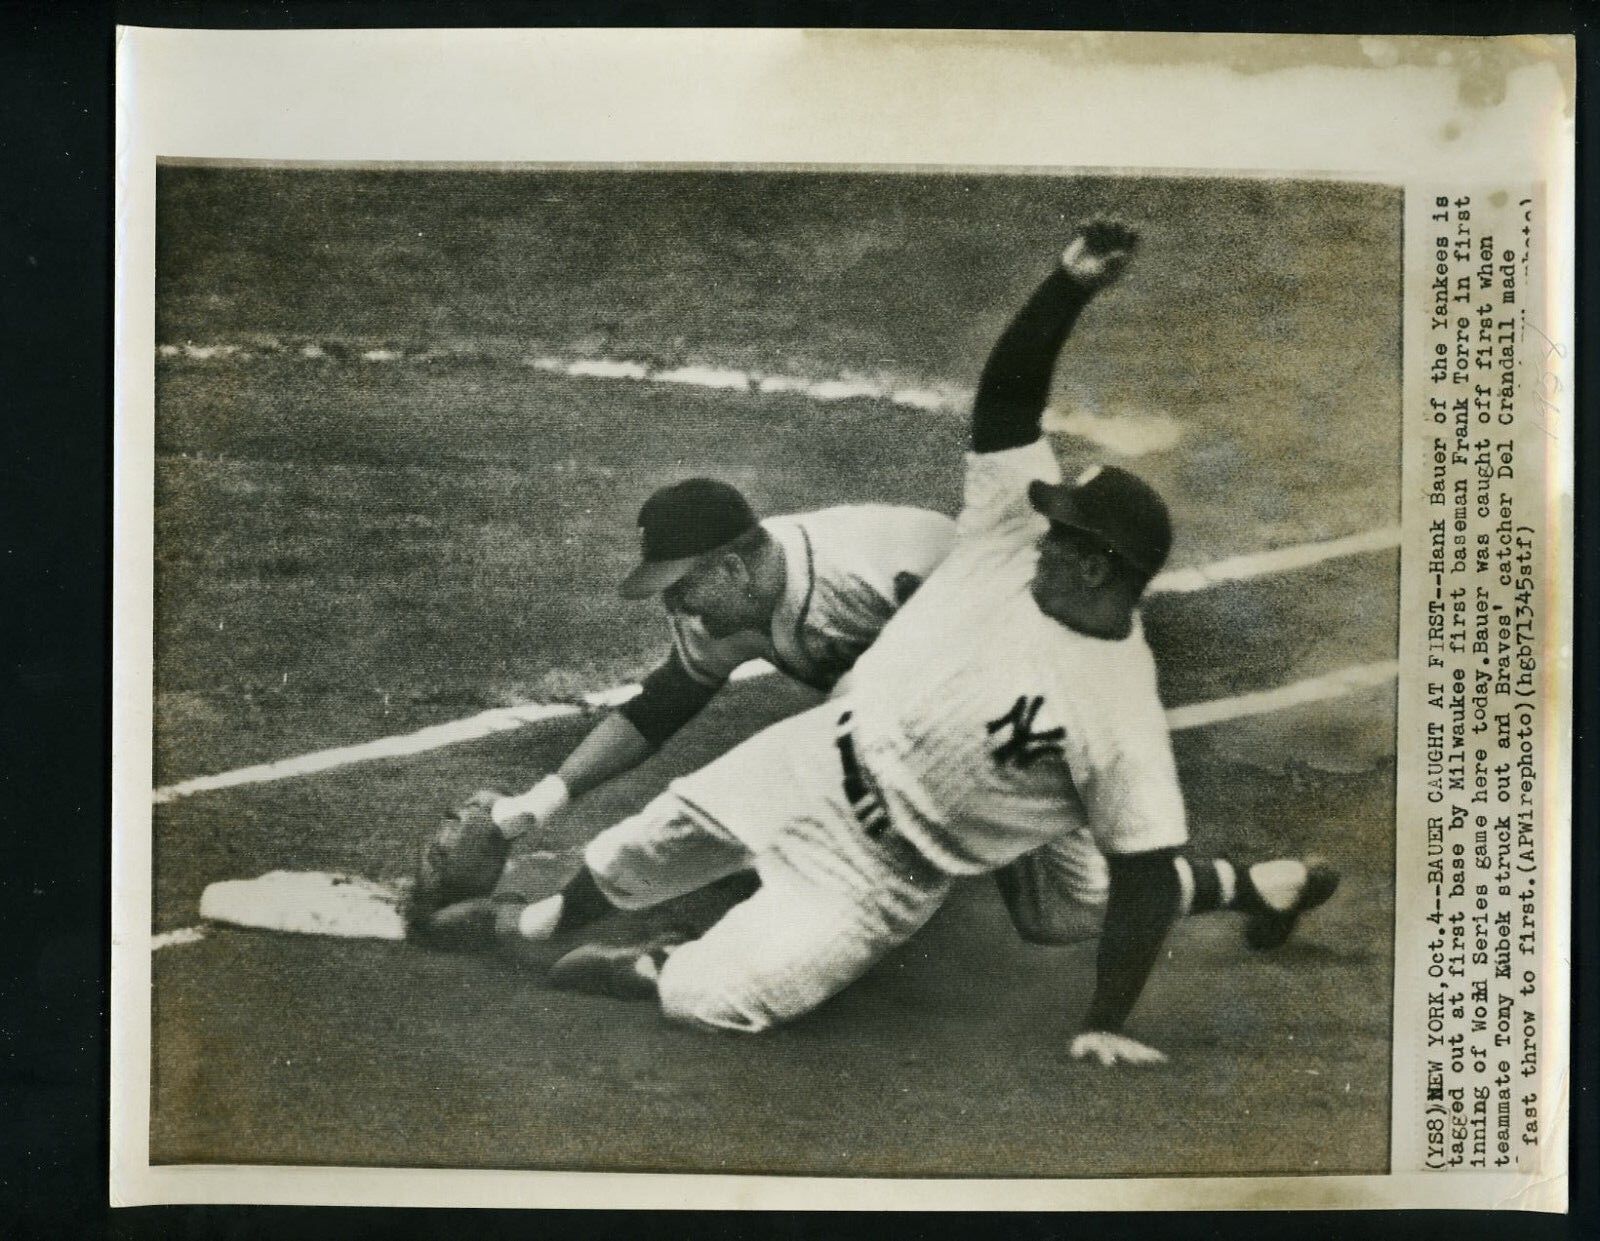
56	186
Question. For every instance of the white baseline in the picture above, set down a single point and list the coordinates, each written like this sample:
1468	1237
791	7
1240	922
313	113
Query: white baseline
504	719
1129	432
378	919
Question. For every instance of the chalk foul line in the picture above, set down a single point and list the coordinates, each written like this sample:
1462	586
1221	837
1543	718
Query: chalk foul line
1129	432
505	719
1314	689
1278	560
348	906
174	939
434	737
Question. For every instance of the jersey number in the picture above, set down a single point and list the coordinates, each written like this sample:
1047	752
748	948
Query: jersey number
1024	747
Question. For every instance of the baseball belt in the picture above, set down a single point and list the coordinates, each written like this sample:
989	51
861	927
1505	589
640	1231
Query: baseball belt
865	801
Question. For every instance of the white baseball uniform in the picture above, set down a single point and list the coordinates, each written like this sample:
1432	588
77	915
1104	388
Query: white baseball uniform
847	571
992	728
975	730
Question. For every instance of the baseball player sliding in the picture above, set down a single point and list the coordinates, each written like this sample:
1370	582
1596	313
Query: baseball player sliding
1010	706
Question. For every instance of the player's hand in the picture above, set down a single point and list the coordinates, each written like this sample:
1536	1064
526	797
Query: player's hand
1098	252
1110	1049
515	825
483	799
515	816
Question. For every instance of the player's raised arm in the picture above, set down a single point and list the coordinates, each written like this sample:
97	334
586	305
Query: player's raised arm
1015	385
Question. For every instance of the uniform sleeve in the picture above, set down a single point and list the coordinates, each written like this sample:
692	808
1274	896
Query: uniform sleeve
851	568
995	497
924	541
709	660
1136	805
1125	774
935	546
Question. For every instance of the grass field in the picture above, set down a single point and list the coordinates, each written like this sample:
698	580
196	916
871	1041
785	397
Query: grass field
350	548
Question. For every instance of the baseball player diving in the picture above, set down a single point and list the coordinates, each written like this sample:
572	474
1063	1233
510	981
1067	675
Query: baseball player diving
1010	707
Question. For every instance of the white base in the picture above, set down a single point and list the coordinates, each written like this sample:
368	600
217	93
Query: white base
308	903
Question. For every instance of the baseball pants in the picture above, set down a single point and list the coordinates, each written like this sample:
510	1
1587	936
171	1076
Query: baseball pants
1057	894
834	897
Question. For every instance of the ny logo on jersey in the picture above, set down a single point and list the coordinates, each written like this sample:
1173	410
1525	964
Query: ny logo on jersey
1024	747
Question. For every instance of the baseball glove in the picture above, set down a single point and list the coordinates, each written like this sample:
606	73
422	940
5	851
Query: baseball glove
463	860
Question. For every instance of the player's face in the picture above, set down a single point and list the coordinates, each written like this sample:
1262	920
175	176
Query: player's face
1059	575
717	593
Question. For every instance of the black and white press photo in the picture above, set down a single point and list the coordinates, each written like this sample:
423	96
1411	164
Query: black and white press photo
890	654
941	621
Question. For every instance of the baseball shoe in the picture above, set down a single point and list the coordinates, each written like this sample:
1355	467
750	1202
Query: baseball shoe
623	972
1266	927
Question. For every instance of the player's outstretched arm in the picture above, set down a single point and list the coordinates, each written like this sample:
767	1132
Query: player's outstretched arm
668	700
1140	908
1015	384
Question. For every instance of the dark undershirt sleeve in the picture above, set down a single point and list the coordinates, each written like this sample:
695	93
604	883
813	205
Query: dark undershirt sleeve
669	699
1140	909
1015	385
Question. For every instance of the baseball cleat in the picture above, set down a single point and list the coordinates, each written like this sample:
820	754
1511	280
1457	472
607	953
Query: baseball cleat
1266	928
623	972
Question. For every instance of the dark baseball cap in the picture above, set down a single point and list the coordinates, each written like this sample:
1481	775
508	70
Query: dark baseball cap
1118	508
681	523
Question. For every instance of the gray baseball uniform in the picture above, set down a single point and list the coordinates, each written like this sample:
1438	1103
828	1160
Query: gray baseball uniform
846	572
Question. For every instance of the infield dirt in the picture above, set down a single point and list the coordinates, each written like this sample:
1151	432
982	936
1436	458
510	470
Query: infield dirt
349	548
